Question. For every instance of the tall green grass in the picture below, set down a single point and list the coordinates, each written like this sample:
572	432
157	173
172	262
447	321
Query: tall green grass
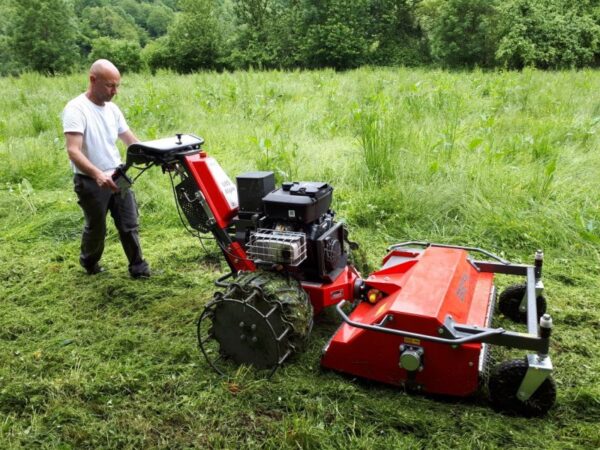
507	161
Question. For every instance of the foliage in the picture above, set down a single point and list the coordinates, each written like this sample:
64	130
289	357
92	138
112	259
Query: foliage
296	34
123	53
108	22
158	21
335	35
548	34
463	33
252	44
8	64
193	40
45	35
155	55
394	34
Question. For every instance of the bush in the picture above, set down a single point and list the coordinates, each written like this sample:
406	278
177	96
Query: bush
394	34
547	34
124	54
462	33
336	34
155	55
193	40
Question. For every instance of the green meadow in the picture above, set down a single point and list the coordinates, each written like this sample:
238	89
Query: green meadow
506	161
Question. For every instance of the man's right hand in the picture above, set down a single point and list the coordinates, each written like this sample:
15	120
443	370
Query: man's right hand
106	182
74	143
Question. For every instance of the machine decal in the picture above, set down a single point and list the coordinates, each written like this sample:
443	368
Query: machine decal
461	291
225	184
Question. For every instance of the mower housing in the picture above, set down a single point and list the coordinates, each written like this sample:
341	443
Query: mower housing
421	289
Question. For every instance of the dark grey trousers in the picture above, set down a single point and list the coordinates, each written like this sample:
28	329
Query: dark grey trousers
95	203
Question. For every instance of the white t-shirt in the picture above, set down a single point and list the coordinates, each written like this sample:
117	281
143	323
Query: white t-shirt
100	127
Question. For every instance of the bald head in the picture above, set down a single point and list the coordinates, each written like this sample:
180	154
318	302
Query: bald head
103	67
104	81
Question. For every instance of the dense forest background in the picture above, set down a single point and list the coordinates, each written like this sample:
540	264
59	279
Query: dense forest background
57	36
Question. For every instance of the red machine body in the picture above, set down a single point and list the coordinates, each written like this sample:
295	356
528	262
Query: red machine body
323	295
420	290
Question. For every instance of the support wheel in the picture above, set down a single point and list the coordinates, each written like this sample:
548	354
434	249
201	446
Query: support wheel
510	301
504	383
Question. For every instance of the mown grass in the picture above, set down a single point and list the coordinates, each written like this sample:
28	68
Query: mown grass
505	161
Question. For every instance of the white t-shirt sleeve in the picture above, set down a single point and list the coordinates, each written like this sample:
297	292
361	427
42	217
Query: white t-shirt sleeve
122	126
73	120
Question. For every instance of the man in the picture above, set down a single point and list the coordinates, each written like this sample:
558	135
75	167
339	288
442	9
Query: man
92	124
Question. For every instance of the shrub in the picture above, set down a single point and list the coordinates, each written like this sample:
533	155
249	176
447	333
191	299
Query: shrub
155	55
124	54
193	40
335	35
547	34
462	33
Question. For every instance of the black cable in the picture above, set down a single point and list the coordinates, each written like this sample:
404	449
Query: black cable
142	170
194	233
197	233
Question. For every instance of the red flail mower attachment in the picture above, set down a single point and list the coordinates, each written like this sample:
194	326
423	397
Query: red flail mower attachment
423	321
424	324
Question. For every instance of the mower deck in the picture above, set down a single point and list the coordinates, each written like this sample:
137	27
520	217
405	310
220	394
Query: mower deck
421	288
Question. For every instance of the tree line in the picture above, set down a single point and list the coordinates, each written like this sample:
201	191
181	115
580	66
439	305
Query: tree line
57	36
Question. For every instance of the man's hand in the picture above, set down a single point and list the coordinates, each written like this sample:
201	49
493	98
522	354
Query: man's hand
74	143
106	181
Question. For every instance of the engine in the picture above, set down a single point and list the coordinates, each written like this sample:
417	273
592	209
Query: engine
292	226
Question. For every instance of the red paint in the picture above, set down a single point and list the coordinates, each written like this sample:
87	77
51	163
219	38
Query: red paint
239	259
323	295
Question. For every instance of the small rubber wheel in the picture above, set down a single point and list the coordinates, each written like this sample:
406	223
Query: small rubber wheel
504	383
510	301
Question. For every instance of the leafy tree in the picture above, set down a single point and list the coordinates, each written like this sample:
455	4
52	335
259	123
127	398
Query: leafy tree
159	19
462	33
548	34
193	40
254	22
106	21
136	10
155	54
45	35
124	54
8	65
394	33
336	33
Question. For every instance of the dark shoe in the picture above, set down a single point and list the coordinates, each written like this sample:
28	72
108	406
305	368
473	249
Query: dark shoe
95	269
143	274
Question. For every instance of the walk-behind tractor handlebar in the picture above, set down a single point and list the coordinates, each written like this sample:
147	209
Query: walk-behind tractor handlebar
422	321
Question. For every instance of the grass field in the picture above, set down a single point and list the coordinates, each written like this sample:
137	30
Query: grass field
504	161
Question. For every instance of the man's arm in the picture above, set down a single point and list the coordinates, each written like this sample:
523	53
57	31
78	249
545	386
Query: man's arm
128	138
74	143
